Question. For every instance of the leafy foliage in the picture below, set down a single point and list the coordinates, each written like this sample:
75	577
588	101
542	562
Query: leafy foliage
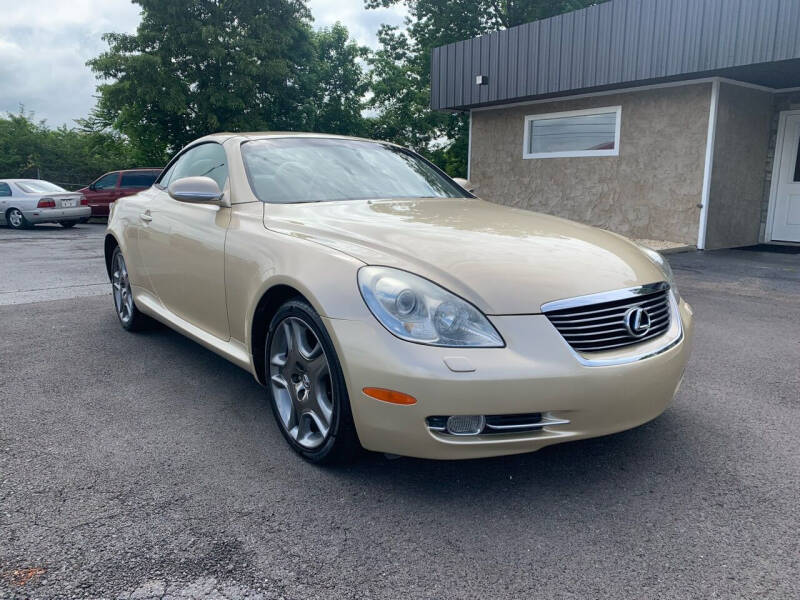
69	157
339	83
401	67
195	67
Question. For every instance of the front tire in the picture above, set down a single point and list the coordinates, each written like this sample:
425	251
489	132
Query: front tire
68	224
306	386
128	314
16	220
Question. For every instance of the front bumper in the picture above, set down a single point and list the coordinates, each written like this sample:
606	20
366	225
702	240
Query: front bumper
536	372
55	215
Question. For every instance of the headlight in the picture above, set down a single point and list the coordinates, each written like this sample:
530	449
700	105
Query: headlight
659	259
417	310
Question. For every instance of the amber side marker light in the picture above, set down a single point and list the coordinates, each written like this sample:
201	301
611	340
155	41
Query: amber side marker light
389	396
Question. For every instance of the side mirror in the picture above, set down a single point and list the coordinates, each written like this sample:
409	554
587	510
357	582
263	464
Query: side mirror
464	183
198	190
93	187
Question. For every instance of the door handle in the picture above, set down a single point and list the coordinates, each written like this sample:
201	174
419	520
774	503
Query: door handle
145	216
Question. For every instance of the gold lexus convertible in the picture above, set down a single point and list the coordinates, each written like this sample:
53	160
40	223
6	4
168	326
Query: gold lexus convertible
384	306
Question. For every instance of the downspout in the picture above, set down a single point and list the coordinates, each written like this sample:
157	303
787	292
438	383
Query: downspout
709	164
469	146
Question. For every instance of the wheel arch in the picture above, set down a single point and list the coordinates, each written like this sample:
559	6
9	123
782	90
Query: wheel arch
269	303
8	210
109	244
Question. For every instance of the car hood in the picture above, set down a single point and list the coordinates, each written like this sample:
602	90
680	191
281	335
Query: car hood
504	260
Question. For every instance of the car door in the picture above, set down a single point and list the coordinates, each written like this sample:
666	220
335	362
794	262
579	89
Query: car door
182	244
5	196
102	193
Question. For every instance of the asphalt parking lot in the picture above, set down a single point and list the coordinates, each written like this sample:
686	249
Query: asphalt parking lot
51	263
143	466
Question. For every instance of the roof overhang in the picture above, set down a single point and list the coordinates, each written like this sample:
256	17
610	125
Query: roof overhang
622	44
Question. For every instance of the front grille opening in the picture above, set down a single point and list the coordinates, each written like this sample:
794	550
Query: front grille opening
500	424
608	325
513	423
438	423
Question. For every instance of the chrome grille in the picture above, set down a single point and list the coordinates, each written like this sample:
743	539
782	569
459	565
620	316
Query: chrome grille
607	321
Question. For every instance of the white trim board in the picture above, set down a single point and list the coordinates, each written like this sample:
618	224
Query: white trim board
709	164
639	88
744	84
777	161
469	146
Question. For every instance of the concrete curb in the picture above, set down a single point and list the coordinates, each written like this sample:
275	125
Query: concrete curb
678	249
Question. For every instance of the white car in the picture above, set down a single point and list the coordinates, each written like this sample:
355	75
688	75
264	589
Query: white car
25	202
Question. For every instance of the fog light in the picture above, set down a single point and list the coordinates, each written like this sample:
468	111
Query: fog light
465	424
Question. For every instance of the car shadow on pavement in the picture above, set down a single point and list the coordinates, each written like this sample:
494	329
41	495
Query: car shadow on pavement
653	456
628	457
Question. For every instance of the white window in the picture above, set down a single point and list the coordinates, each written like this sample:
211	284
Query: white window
593	132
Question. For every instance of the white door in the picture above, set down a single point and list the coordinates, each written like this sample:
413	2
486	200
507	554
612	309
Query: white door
786	219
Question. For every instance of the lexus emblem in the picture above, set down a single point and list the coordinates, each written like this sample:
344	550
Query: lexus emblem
637	322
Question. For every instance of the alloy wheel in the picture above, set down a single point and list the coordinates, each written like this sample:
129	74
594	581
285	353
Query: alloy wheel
300	377
121	287
15	218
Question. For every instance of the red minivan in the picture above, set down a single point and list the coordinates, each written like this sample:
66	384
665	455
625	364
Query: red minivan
104	190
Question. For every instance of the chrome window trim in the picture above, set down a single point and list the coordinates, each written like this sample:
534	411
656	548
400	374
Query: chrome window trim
672	337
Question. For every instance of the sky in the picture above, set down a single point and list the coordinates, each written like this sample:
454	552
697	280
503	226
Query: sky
44	46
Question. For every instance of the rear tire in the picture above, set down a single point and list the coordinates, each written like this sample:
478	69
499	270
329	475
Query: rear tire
16	220
128	314
306	387
68	224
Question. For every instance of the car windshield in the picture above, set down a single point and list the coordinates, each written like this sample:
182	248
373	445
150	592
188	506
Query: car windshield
37	186
293	170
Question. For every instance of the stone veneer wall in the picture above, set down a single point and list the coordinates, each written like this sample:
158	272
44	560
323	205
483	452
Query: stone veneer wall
737	177
780	102
651	190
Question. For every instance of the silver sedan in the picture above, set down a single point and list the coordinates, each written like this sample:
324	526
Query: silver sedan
25	202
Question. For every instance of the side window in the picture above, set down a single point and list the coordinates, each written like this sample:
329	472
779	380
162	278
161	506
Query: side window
137	179
206	160
5	189
106	182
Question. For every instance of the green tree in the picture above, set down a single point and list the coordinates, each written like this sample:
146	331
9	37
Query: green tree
68	157
339	83
195	67
401	67
21	140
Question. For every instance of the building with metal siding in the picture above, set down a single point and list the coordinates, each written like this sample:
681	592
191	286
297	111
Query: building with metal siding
707	98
